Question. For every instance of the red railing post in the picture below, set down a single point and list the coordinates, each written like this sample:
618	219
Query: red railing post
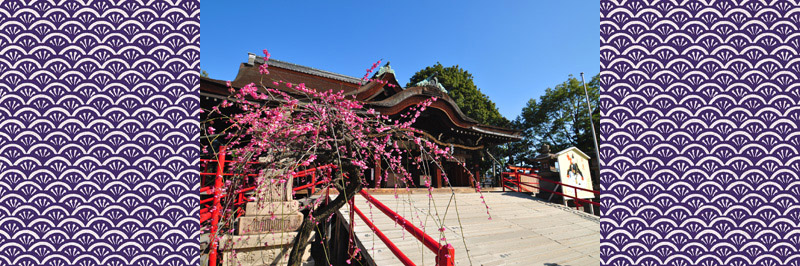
576	199
503	181
212	256
313	181
446	256
519	183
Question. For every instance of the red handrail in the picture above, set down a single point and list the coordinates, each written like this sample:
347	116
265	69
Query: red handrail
519	184
396	251
519	168
213	213
549	181
555	182
445	254
240	193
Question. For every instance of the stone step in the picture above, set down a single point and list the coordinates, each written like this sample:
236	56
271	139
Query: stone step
270	208
249	225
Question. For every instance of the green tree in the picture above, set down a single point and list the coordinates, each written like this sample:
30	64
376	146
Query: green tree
462	89
559	118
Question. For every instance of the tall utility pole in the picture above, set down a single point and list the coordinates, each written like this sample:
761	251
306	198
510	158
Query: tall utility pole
596	147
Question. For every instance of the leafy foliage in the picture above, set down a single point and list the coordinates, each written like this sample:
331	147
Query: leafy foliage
559	119
460	86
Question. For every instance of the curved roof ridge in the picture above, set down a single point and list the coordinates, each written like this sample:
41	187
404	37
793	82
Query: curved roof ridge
304	69
424	91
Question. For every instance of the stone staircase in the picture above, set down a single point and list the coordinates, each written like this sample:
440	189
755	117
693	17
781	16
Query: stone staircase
265	233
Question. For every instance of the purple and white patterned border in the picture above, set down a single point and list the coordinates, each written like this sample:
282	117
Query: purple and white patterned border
98	133
700	137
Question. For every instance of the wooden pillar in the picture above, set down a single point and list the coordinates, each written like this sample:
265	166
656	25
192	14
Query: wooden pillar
438	177
376	176
467	175
477	175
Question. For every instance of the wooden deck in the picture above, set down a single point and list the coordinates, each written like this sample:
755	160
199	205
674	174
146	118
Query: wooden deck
523	230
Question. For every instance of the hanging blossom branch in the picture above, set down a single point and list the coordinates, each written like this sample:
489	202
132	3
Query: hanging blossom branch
299	127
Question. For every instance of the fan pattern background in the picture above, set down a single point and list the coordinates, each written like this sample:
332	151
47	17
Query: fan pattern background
700	138
98	133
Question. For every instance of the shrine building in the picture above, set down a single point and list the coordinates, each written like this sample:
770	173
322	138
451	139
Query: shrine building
443	122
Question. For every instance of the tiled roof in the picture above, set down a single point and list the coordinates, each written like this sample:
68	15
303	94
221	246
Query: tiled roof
305	69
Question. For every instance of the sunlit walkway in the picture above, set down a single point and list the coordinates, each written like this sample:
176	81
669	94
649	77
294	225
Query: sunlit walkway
523	230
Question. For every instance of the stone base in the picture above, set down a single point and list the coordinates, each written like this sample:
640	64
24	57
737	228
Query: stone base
270	208
263	256
257	241
249	225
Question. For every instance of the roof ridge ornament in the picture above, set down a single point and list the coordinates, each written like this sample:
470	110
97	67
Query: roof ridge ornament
385	69
431	81
251	58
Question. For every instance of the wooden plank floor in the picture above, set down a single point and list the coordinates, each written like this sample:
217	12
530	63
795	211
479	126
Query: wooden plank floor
523	230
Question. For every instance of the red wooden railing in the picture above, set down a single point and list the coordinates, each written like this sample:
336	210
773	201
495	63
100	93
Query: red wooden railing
518	172
445	254
313	173
212	212
215	208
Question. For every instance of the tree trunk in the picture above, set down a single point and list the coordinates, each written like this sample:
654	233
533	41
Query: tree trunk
301	240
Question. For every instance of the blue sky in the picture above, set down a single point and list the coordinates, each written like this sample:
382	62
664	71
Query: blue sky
514	49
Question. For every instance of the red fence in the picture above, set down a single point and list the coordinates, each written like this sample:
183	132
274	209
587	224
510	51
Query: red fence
515	179
213	205
445	254
517	174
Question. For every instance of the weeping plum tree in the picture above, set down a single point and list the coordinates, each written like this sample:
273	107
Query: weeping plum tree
299	127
